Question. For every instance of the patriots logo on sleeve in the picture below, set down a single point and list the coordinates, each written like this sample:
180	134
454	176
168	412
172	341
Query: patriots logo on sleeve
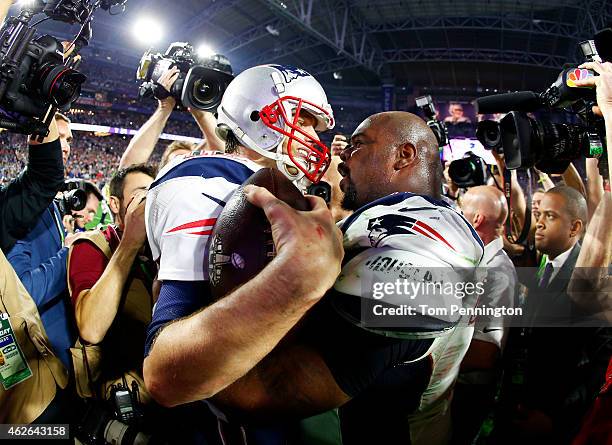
384	226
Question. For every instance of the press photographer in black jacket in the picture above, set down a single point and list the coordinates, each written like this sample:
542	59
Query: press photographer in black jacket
24	199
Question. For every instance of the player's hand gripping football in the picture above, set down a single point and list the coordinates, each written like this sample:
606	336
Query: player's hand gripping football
308	243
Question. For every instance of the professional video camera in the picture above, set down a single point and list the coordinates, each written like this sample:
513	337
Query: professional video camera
425	103
526	141
469	171
73	197
35	77
200	84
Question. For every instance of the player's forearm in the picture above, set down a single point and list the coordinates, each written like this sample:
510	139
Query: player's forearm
545	181
597	245
207	123
608	120
197	357
143	143
572	179
97	307
590	280
519	204
293	381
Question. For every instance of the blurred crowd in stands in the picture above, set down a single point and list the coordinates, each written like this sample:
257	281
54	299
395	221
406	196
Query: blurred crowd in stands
94	158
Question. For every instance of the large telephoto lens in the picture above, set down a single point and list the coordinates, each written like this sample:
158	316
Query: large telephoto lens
549	146
561	142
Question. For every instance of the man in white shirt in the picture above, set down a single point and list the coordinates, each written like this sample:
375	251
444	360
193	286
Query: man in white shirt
471	350
486	209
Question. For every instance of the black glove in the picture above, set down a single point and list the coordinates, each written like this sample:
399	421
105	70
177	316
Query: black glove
159	92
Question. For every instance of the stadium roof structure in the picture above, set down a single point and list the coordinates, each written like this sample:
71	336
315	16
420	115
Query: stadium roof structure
447	45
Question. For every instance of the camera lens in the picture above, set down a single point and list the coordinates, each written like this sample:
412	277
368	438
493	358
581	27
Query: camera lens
75	200
467	172
205	92
560	141
461	170
60	85
547	145
489	134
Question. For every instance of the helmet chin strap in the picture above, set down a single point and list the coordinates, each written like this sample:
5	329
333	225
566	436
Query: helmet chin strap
291	172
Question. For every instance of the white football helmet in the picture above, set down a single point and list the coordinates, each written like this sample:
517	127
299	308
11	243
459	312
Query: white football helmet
261	107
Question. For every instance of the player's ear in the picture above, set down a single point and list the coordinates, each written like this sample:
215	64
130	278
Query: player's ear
114	205
406	155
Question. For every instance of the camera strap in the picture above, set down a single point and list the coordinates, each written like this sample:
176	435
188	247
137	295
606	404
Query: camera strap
90	380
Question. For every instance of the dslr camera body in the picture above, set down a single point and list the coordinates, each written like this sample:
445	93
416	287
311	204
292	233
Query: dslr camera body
200	83
35	78
72	197
526	141
469	171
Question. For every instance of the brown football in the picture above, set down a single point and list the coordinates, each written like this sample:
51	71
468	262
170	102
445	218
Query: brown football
241	241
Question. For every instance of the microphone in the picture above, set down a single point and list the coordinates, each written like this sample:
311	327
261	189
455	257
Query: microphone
504	103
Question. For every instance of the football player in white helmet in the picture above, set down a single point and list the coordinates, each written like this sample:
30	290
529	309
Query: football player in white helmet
269	117
280	121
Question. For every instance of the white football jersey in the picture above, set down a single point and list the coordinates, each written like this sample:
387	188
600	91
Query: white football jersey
183	204
413	239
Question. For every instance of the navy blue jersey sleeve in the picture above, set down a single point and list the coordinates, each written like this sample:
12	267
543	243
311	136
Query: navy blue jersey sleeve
177	299
359	359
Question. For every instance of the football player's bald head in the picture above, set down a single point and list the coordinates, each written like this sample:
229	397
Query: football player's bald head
390	152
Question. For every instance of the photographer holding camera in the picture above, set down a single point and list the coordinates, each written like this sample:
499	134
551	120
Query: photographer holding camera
39	258
27	196
603	88
590	283
24	202
110	282
143	143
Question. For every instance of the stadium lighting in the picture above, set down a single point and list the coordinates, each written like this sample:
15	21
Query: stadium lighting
205	51
147	30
